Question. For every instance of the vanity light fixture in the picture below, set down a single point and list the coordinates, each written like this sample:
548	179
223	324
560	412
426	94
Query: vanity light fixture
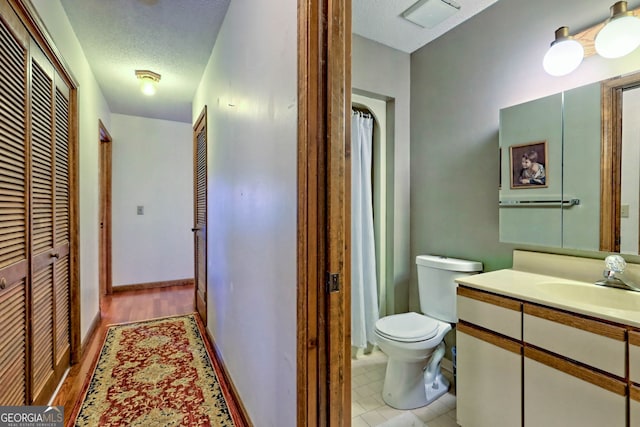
618	36
564	55
148	81
621	34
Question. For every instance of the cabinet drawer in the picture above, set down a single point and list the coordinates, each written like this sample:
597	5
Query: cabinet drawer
634	356
589	341
499	314
560	393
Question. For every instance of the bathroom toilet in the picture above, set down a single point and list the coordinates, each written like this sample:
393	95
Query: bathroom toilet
413	342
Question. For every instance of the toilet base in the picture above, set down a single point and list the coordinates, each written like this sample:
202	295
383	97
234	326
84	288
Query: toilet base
437	388
410	385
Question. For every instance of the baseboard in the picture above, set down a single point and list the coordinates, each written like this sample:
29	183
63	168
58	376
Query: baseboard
153	285
93	328
227	378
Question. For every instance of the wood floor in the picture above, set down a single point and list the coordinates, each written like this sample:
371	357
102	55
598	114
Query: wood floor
119	308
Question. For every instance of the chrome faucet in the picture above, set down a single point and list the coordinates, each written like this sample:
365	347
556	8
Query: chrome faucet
614	274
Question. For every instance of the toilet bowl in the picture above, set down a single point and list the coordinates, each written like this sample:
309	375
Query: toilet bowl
410	341
413	342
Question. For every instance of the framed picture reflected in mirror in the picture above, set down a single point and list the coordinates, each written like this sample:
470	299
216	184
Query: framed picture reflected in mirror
528	165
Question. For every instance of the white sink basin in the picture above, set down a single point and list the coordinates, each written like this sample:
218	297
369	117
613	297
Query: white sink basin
590	294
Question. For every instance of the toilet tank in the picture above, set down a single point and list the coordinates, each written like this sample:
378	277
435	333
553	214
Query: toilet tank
437	286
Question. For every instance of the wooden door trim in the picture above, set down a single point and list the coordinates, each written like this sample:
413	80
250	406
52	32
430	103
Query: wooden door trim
310	223
323	327
105	245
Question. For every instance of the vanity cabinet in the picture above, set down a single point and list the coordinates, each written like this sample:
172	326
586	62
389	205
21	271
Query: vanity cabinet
489	360
525	364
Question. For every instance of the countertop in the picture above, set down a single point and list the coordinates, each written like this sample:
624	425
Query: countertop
616	305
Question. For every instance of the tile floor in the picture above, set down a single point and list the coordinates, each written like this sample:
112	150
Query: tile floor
367	407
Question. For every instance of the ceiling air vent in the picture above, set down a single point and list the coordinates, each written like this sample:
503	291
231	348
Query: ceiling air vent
429	13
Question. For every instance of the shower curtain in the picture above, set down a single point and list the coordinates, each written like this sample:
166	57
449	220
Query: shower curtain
364	288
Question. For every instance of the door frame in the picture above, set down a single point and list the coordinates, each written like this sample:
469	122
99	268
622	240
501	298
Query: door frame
324	205
105	235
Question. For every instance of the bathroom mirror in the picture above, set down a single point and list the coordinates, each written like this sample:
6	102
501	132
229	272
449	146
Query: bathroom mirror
588	199
529	212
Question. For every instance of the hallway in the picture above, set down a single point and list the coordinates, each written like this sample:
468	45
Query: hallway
121	307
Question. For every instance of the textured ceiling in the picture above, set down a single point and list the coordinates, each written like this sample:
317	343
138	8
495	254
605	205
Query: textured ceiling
380	20
171	37
175	38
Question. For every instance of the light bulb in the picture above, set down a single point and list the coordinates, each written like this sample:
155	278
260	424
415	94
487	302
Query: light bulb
621	33
148	87
564	55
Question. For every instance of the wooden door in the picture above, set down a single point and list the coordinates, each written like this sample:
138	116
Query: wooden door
61	230
200	212
105	211
50	221
14	265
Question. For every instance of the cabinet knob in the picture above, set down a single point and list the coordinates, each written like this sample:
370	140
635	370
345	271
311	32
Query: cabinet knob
55	255
3	283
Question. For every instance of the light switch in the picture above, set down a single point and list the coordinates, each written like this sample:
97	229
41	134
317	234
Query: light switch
624	211
140	210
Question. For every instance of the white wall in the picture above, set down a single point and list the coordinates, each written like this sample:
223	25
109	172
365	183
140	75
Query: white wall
92	107
250	89
390	82
152	168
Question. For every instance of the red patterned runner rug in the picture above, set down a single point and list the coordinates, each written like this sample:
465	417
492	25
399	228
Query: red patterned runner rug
156	373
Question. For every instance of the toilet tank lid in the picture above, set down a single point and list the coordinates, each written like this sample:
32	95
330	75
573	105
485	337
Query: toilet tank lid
446	263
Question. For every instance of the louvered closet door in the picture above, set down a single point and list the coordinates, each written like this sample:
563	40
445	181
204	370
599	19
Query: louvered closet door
49	228
200	213
13	213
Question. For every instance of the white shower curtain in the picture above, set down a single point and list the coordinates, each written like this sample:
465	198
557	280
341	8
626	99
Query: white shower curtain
364	288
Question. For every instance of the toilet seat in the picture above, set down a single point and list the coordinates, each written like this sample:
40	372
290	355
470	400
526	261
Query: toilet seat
407	327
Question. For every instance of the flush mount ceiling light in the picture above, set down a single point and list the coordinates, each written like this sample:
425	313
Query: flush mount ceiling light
148	81
564	55
618	36
429	13
621	33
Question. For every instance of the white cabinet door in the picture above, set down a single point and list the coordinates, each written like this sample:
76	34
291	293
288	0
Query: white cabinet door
558	393
489	379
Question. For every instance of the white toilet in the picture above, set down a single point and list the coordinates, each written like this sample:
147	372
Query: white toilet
413	342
